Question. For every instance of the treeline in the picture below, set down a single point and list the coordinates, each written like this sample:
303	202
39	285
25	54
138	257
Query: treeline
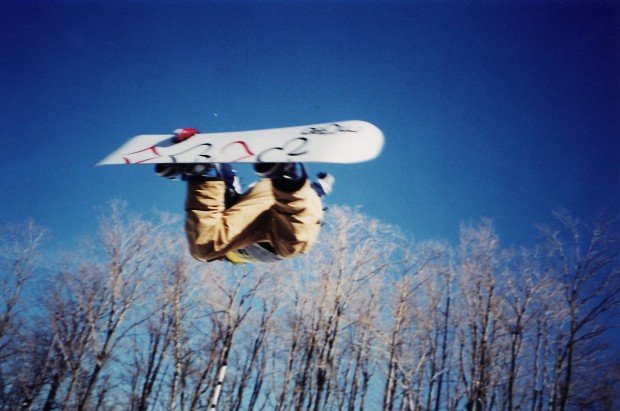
369	320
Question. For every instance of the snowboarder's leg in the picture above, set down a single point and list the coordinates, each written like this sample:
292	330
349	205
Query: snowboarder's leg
297	211
295	220
212	230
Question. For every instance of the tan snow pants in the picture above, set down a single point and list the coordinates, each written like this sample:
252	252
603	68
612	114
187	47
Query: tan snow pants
290	222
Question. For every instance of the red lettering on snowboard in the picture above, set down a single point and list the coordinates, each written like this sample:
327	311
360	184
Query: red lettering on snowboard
243	145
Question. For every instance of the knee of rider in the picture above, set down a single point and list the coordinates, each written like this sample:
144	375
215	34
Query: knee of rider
299	243
199	253
201	250
292	249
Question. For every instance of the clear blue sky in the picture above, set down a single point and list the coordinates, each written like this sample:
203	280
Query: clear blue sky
504	110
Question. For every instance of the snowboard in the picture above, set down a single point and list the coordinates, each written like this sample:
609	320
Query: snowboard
341	142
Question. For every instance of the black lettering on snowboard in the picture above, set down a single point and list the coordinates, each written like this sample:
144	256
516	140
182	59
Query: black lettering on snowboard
292	148
333	128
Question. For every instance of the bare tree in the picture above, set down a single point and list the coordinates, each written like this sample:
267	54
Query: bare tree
356	250
524	298
255	358
583	259
163	329
479	266
19	254
404	361
228	300
364	335
406	339
88	307
148	362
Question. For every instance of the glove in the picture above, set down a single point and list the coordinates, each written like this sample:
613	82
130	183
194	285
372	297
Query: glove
182	134
324	184
176	171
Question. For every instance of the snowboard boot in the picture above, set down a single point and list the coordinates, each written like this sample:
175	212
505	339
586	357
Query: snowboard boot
218	172
292	176
187	172
170	171
201	172
287	177
266	170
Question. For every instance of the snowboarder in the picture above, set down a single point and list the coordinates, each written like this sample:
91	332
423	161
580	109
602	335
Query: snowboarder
277	218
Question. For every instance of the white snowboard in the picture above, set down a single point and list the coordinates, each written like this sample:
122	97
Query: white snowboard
342	142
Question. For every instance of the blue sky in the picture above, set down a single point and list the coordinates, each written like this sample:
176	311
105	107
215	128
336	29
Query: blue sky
504	110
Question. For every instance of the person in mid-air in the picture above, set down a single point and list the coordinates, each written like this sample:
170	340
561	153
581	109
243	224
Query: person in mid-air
279	217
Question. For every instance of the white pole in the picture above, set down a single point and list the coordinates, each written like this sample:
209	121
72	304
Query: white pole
218	387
